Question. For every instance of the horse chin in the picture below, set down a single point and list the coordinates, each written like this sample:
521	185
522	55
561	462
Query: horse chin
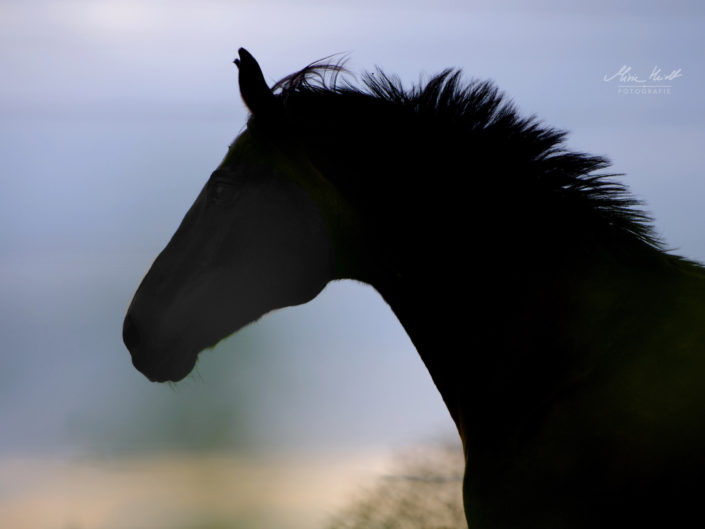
179	363
174	367
176	371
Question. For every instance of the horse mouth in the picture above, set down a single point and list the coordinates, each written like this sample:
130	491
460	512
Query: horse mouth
171	370
157	364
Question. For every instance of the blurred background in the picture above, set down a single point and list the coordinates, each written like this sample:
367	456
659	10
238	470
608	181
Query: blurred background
113	115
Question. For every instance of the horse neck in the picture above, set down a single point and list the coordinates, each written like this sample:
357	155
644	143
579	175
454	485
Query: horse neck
432	325
506	330
455	343
500	354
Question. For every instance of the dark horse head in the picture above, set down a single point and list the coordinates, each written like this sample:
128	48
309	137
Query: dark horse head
565	342
253	241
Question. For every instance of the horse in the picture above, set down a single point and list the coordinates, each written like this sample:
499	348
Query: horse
566	341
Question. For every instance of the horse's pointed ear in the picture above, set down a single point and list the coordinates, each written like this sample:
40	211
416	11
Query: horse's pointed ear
253	88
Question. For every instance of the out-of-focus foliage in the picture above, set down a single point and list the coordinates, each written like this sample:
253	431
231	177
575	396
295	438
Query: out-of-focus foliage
424	491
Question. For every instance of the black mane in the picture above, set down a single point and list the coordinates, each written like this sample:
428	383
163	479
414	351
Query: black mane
502	164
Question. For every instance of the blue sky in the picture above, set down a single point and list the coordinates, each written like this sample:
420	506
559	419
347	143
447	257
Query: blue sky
112	116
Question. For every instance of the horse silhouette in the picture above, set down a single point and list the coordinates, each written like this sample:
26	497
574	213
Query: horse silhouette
567	343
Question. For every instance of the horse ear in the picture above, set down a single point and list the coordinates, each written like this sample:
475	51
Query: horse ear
253	88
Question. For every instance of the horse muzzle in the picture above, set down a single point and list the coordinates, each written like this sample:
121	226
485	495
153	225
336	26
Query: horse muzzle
157	365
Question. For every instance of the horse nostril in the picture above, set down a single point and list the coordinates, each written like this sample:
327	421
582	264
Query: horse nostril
130	334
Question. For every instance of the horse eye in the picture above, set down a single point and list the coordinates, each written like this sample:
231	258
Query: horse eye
220	191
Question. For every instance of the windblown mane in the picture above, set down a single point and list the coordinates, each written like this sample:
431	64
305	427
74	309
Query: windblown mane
479	143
